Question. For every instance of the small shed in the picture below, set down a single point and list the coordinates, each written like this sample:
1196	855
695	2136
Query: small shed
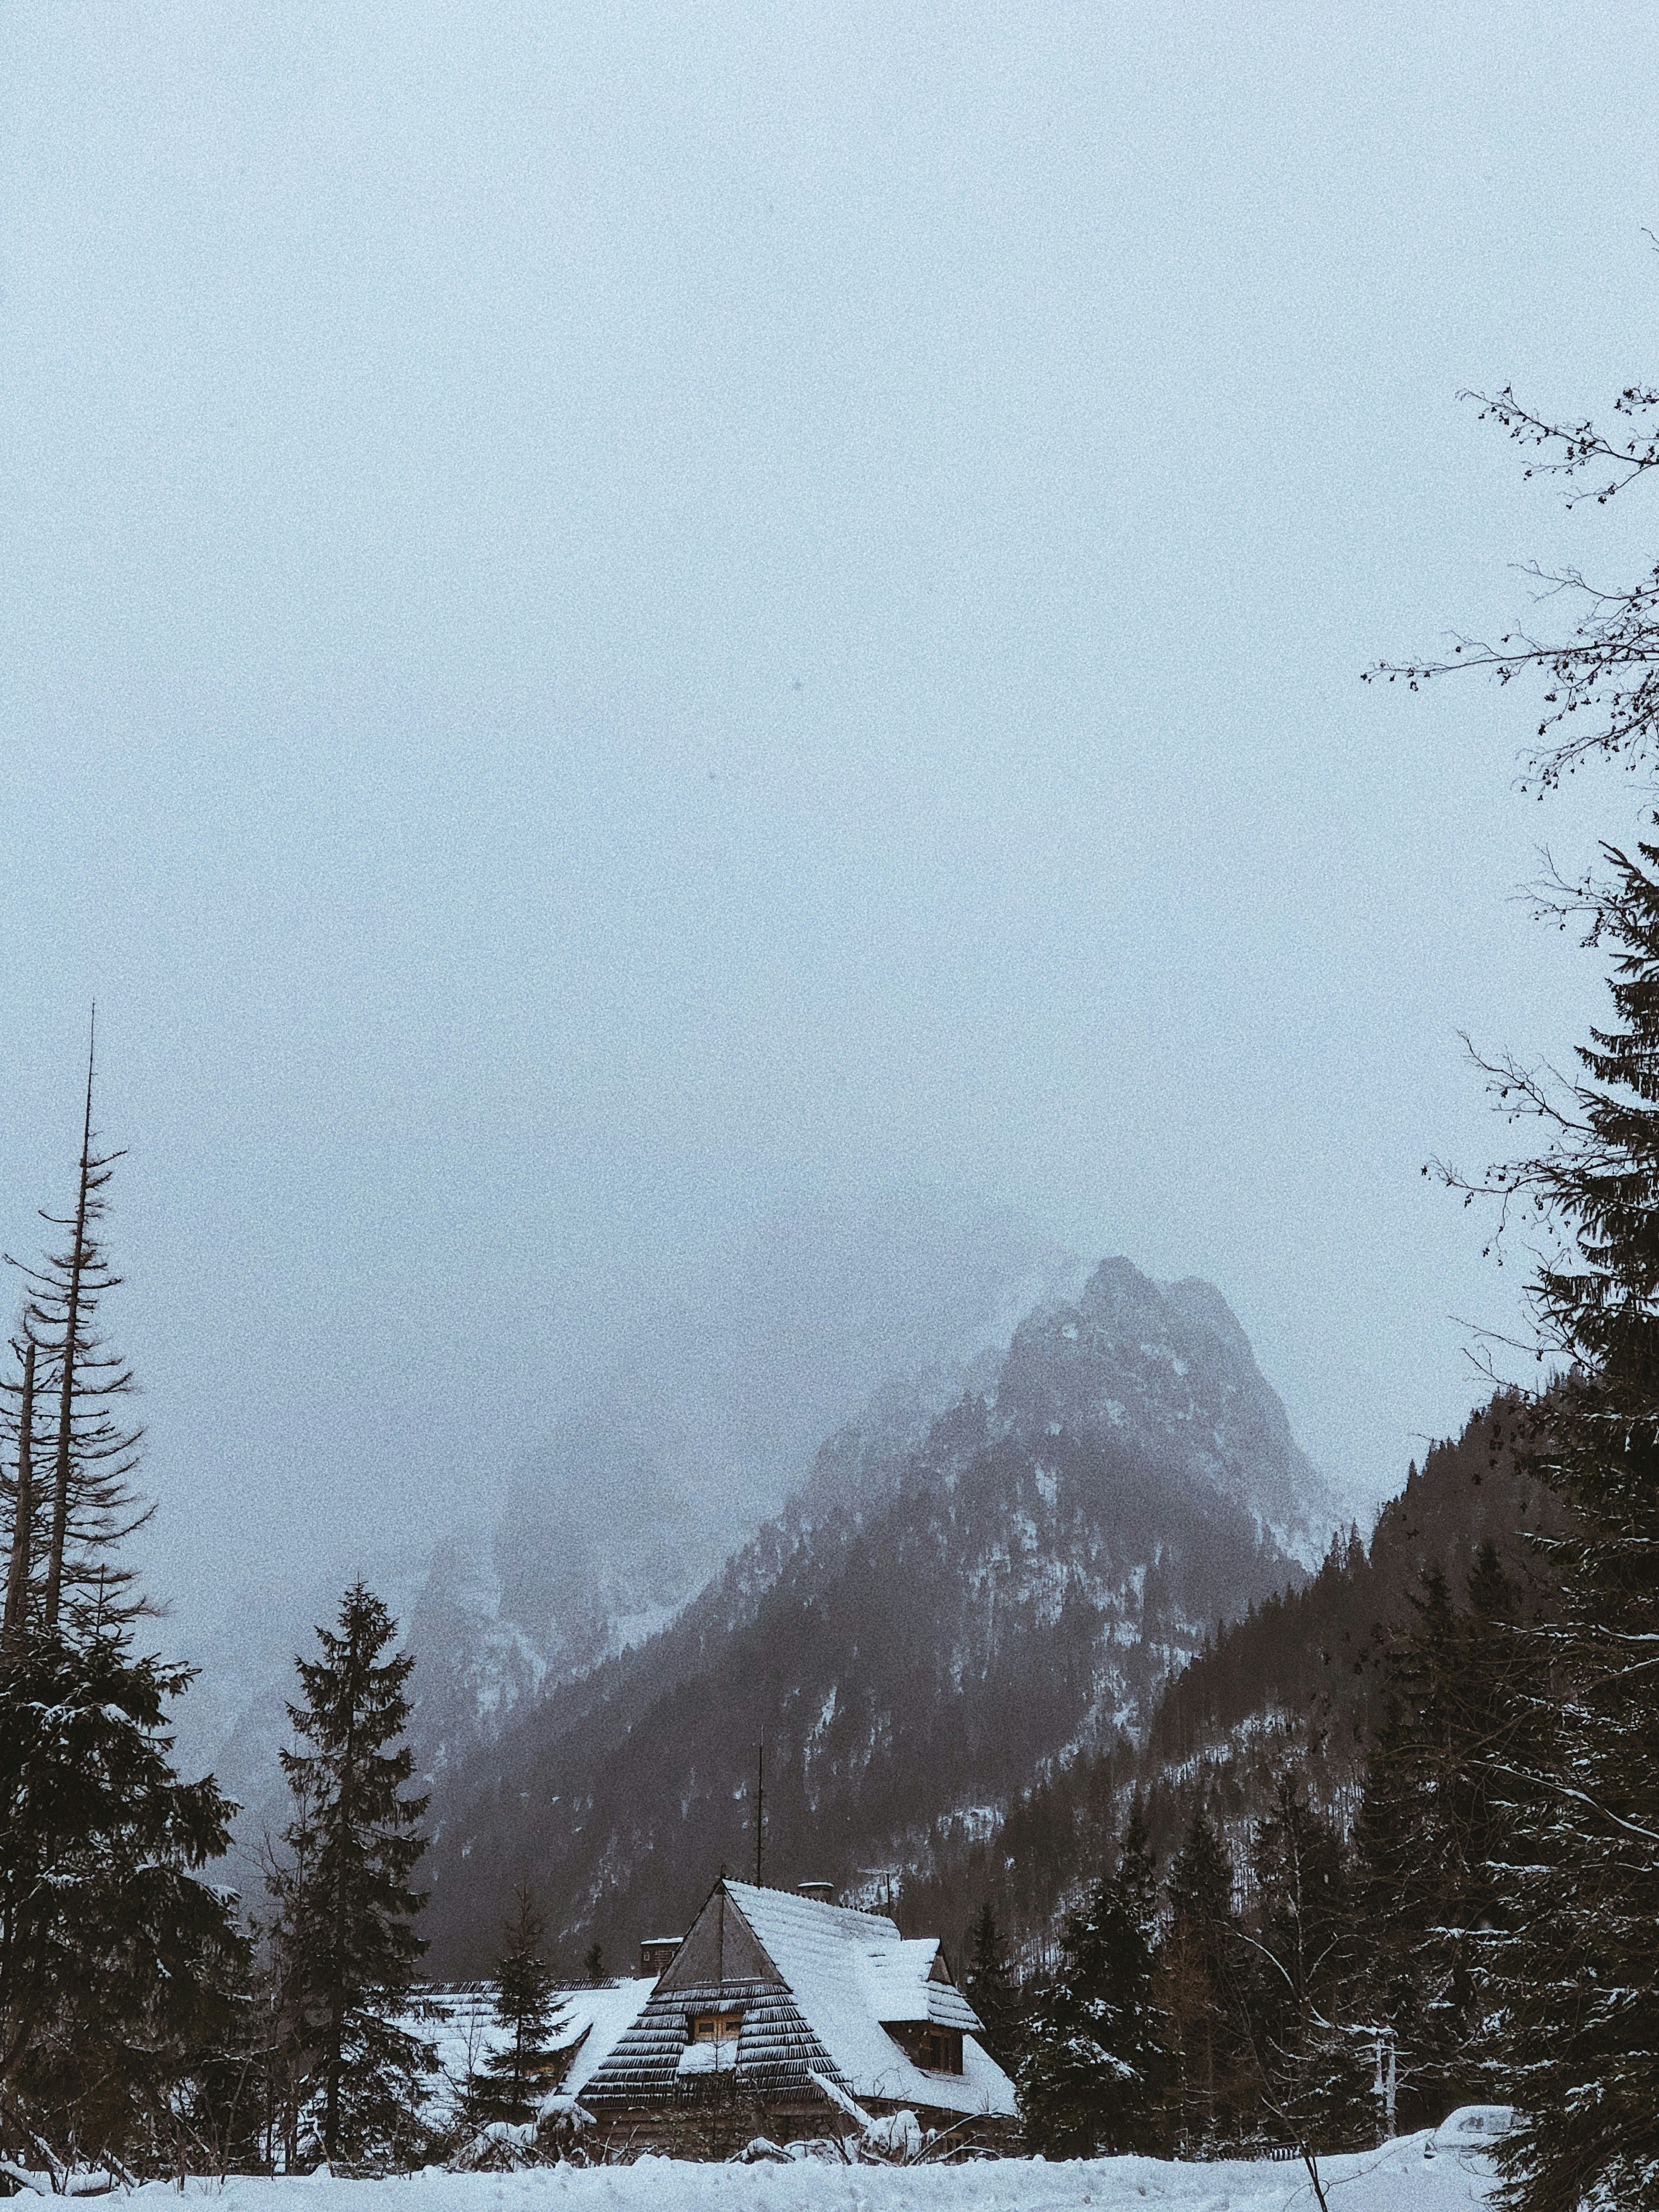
786	2015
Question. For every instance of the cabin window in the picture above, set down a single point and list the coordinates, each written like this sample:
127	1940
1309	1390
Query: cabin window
935	2050
716	2027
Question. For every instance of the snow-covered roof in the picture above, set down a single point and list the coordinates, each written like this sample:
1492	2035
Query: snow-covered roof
460	2024
595	2021
850	1971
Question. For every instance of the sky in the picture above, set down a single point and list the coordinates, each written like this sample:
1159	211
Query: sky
616	616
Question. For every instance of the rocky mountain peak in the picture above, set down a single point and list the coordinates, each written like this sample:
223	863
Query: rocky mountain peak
1169	1368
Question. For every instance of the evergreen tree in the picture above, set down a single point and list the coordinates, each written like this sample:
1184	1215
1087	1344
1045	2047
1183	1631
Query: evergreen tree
120	1967
525	2006
1311	2055
353	1948
1432	1832
1579	1972
1198	1969
71	1448
991	1990
1093	2074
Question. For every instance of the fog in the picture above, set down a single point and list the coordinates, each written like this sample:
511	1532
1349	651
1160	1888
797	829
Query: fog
617	619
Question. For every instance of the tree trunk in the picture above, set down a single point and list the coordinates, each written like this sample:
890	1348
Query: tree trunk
66	1402
336	2006
23	1534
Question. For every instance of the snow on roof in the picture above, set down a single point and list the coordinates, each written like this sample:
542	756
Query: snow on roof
460	2024
850	1971
596	2020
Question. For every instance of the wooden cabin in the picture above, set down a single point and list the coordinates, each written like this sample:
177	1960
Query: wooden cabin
785	2015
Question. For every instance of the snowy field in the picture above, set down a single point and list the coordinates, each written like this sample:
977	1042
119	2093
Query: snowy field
1396	2179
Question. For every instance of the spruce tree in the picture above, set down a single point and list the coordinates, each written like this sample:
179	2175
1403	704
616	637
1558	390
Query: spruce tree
78	1452
991	1990
353	1944
1092	2079
525	2005
1311	2057
1197	1970
1432	1837
1579	1972
120	1968
121	1965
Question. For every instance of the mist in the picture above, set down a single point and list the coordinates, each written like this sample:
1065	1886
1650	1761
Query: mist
621	621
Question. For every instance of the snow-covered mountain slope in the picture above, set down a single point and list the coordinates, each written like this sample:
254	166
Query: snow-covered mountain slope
1169	1366
939	1618
716	1400
701	1420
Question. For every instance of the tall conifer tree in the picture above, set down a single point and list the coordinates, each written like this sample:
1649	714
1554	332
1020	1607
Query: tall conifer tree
1092	2079
120	1967
1198	1976
354	1940
81	1453
1581	1971
991	1990
525	2006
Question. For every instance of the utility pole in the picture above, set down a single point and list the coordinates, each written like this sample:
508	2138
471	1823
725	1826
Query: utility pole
760	1806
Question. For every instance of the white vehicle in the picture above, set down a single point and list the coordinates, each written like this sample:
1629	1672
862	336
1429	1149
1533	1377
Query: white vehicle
1471	2127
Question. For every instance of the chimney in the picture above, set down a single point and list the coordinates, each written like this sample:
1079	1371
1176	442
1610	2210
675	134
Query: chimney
825	1891
655	1952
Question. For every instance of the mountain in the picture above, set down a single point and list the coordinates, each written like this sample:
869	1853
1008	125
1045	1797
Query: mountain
715	1400
951	1608
1302	1667
1170	1365
694	1427
1292	1677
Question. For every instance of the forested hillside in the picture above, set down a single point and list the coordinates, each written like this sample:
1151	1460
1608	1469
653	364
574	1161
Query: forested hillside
1296	1679
930	1628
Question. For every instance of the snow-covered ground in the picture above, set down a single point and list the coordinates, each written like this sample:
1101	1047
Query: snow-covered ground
1396	2179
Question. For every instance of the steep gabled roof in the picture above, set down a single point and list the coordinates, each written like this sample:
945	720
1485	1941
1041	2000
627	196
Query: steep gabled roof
815	1983
595	2021
777	2051
850	1971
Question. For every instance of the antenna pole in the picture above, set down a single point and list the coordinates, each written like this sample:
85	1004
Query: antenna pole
760	1806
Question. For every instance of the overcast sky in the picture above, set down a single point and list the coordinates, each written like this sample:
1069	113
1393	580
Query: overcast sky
614	616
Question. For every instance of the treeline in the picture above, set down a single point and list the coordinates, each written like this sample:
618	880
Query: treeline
147	2024
1297	1680
1328	1985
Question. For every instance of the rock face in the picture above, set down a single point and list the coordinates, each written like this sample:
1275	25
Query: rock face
696	1426
1169	1366
951	1606
715	1400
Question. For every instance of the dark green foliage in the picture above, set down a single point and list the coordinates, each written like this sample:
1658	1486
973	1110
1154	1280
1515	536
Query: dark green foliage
1579	1970
123	1975
1317	1651
1092	2080
594	1964
525	2006
1197	1988
80	1453
348	1948
1312	2060
1434	1828
121	1970
991	1990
